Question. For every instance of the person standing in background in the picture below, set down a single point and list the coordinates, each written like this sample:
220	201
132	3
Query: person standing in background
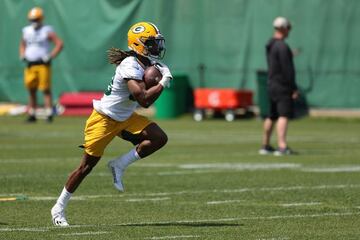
282	89
36	52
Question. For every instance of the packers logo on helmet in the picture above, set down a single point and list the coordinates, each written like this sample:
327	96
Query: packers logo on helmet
138	29
35	14
145	39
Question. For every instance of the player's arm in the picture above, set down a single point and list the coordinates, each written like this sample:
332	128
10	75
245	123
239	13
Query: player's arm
58	44
144	97
22	49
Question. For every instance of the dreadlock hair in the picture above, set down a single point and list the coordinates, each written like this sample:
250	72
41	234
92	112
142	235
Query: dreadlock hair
116	55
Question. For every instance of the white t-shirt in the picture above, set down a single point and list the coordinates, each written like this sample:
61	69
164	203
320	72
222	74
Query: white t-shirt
37	42
116	103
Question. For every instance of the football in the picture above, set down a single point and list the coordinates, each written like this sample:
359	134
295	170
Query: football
151	77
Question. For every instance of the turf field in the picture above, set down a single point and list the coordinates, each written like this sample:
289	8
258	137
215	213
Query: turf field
207	183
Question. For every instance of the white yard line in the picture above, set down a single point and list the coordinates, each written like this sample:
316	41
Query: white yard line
234	219
224	202
351	168
48	198
11	194
163	194
219	166
282	205
147	199
173	237
299	204
22	229
241	166
291	188
190	169
83	233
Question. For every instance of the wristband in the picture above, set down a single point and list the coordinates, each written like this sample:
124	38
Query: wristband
165	82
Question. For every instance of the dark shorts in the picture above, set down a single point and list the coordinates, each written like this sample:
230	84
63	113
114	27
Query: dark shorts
283	107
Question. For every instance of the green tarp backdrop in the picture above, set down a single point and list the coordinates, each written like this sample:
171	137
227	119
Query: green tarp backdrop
228	37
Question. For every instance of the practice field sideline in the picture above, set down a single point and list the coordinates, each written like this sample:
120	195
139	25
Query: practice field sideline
207	183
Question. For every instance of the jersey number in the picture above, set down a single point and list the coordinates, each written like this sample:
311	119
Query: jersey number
109	87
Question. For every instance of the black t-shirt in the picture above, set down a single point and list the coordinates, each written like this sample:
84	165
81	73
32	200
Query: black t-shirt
281	78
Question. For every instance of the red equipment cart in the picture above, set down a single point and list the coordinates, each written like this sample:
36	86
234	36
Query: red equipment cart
221	100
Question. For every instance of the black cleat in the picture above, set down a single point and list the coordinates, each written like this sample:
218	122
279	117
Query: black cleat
50	119
285	151
265	150
31	119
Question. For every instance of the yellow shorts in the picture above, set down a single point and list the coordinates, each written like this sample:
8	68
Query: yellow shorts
38	77
101	129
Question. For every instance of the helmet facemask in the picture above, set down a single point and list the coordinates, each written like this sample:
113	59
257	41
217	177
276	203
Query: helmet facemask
154	46
36	23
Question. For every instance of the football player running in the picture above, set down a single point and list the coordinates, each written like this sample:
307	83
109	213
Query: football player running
35	50
114	114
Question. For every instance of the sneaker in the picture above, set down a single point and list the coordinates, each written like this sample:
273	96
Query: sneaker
284	151
31	119
58	216
117	174
265	150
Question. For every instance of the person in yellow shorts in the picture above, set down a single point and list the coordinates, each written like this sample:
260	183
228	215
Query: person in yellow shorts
36	51
114	116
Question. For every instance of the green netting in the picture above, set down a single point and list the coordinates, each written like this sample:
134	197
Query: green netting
228	37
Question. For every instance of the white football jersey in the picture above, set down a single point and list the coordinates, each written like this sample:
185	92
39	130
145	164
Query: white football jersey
37	42
116	102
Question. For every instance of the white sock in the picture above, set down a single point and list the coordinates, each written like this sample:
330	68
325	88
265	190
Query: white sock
63	198
125	160
48	111
31	111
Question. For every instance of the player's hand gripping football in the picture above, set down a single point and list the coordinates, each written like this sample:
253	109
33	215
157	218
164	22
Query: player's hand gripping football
166	74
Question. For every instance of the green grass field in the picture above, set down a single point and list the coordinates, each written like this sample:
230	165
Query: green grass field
207	183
